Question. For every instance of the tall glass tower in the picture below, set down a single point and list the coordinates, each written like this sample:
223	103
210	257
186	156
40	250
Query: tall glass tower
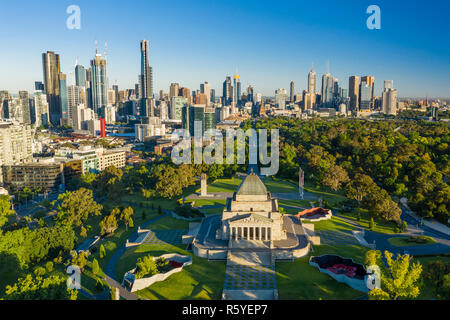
52	70
80	76
99	84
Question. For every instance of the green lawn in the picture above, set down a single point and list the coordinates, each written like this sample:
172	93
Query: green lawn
409	241
202	280
169	223
381	226
299	281
224	185
334	224
275	185
334	198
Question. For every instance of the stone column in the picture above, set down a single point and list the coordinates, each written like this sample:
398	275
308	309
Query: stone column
204	185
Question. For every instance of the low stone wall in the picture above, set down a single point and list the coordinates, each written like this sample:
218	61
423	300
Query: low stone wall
359	235
139	284
318	218
357	284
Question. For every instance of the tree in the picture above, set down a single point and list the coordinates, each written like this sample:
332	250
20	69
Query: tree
79	259
5	210
75	207
400	279
109	223
335	177
49	266
126	216
359	188
102	252
32	287
95	266
371	224
131	223
83	232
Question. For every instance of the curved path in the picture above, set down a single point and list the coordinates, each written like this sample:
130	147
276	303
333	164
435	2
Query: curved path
110	270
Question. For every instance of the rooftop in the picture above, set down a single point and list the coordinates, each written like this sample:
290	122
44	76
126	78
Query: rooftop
252	185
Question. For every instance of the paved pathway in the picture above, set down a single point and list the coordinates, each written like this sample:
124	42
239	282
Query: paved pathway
250	275
110	269
165	237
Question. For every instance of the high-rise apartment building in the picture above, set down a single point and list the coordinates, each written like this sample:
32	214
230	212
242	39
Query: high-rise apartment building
24	98
389	99
205	88
174	90
146	76
227	92
63	99
52	70
41	108
292	92
15	143
312	81
176	106
353	92
237	89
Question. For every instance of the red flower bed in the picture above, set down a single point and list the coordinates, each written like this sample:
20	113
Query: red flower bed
312	212
343	269
175	264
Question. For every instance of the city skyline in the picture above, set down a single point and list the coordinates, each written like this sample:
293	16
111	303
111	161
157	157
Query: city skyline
265	67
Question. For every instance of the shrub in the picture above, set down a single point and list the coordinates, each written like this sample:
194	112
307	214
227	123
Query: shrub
49	266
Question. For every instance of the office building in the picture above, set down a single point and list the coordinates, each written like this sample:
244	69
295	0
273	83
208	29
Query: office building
292	92
52	70
328	88
99	84
389	98
353	88
80	76
227	92
176	106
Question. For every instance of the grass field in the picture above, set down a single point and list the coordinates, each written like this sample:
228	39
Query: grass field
334	224
224	185
408	241
202	280
169	223
381	226
299	281
280	186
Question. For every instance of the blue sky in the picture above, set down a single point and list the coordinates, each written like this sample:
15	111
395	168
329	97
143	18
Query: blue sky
270	42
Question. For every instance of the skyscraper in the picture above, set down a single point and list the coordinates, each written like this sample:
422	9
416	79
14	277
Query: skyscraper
327	90
365	94
227	92
389	98
292	92
174	90
80	76
353	92
99	83
145	81
205	88
63	99
52	70
237	89
146	76
312	81
370	81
